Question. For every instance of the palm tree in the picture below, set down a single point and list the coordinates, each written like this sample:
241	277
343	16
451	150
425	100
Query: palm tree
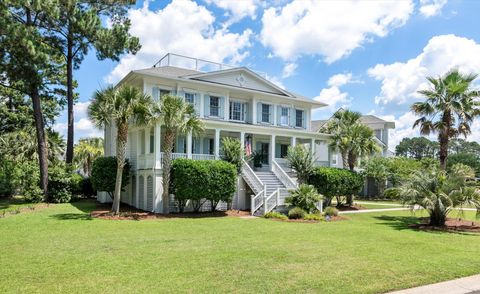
177	117
120	107
362	144
439	193
448	110
339	126
86	151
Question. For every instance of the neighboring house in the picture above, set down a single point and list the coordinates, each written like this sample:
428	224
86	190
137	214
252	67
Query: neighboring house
232	102
379	126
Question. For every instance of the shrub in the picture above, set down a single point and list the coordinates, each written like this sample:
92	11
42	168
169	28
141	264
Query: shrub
76	184
296	213
7	170
59	183
104	174
300	159
274	214
232	152
335	182
201	180
330	211
313	216
305	197
28	178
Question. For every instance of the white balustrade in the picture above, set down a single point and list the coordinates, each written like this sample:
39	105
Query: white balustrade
283	176
251	178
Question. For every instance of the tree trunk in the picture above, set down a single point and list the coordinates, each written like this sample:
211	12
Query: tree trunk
70	122
166	167
41	141
352	160
344	158
443	138
122	133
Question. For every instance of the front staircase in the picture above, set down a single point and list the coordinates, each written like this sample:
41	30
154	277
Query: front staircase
270	187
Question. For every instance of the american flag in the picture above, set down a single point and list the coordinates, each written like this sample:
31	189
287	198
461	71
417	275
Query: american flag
248	147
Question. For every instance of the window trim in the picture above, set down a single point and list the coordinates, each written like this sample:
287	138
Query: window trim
282	107
270	107
243	109
190	93
303	118
217	107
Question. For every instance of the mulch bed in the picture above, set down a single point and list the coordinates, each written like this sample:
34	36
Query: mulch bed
131	213
332	219
451	225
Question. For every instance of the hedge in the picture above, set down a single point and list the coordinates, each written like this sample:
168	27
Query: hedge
335	182
202	180
104	174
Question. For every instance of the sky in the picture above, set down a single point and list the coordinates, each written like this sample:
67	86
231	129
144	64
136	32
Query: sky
369	56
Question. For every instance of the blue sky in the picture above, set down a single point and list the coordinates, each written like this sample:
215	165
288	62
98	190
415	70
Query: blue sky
369	56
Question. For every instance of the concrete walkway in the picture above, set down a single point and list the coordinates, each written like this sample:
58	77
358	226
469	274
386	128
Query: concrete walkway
373	210
459	286
379	204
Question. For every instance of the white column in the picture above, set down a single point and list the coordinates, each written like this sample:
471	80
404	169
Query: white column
254	111
158	150
242	139
202	102
189	145
217	144
272	150
312	147
294	141
226	108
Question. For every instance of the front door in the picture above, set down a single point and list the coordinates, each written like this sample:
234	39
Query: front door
264	151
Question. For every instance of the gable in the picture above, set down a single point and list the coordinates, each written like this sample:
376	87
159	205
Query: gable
240	78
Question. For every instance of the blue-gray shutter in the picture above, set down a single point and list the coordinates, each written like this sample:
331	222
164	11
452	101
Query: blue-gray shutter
206	144
271	109
206	105
304	119
247	112
259	112
279	114
180	144
277	150
181	94
156	94
197	103
293	117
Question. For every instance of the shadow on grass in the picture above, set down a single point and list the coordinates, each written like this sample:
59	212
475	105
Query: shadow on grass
6	202
72	216
85	205
417	224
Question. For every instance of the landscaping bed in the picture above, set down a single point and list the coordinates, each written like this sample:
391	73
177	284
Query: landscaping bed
451	225
127	212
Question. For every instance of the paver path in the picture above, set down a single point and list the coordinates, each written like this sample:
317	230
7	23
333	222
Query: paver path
459	286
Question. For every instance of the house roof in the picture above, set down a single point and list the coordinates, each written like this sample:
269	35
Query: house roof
193	75
365	119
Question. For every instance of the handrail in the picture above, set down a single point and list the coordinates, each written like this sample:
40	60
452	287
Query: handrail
266	202
253	206
250	174
283	176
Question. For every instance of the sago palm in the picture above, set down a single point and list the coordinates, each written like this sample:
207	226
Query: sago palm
339	126
121	107
86	151
448	110
176	117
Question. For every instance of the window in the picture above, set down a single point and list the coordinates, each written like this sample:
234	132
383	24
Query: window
237	111
211	146
334	159
299	118
284	116
190	98
214	105
283	150
164	92
265	113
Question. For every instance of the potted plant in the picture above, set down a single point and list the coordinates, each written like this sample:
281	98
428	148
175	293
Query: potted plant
257	160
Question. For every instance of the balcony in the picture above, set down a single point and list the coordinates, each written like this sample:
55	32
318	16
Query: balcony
147	161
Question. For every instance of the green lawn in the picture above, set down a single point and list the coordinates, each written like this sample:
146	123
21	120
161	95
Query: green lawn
60	249
12	205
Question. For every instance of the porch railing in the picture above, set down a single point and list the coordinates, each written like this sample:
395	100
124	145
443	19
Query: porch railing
203	156
283	176
251	178
257	200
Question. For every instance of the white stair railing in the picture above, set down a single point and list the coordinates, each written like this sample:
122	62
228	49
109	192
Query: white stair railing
257	200
271	201
288	182
251	178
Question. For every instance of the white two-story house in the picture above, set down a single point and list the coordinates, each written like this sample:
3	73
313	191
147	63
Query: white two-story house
232	102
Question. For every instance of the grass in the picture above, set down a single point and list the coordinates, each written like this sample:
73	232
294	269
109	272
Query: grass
61	249
14	204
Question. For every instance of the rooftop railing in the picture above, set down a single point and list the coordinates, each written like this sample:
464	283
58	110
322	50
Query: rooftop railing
198	64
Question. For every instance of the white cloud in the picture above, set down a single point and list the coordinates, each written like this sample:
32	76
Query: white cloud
429	8
83	126
182	27
276	81
289	70
333	96
237	9
330	29
401	81
403	128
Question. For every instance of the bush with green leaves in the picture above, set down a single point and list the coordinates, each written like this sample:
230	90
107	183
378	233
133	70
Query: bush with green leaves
305	196
469	159
104	174
28	181
232	152
296	213
202	180
275	214
330	211
335	182
59	183
76	184
7	172
313	217
301	161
